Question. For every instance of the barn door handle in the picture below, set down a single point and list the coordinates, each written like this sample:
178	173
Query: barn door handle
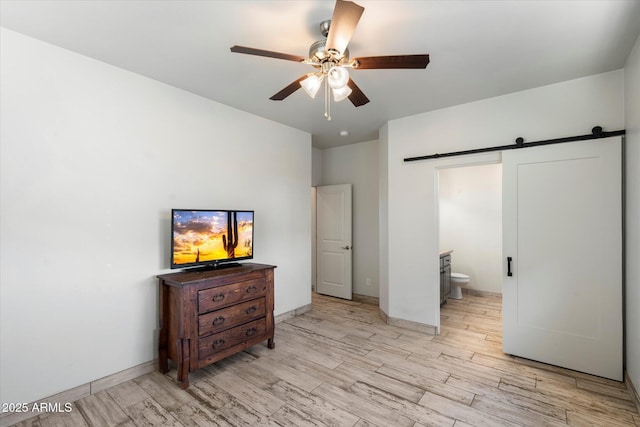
509	273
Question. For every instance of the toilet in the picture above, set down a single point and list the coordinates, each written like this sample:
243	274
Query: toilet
458	281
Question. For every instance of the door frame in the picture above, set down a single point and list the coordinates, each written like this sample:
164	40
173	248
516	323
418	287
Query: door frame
346	252
314	232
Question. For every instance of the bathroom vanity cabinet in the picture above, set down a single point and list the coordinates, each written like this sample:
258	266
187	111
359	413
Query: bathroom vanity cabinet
445	276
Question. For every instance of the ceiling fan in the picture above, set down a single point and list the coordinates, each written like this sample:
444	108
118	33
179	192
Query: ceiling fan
330	58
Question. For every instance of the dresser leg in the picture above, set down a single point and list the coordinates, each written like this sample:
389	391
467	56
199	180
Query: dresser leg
163	356
271	344
163	335
183	363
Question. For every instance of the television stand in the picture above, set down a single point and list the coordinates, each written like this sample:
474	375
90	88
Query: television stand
206	316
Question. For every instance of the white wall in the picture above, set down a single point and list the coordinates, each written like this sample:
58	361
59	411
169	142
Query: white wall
316	179
92	160
470	213
357	164
316	167
632	166
565	109
383	220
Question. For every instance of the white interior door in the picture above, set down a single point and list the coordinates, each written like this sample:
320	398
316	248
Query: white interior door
562	229
334	240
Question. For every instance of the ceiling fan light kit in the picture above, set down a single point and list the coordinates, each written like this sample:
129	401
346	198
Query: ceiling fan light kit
312	84
330	57
337	77
342	93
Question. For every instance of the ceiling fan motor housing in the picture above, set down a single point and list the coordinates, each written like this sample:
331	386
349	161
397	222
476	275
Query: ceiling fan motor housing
318	50
324	27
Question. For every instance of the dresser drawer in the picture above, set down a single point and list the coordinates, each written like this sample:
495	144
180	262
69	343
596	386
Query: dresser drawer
223	296
218	342
220	320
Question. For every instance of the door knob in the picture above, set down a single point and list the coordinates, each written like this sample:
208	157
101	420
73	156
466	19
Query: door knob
346	247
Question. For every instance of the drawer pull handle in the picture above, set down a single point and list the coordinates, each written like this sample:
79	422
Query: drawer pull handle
251	289
251	310
251	331
218	321
218	297
218	343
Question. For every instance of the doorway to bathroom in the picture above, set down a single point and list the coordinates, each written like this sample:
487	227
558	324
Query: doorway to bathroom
470	223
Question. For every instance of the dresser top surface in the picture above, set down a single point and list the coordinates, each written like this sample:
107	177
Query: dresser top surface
195	275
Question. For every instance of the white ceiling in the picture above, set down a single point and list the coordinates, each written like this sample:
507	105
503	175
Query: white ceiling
478	49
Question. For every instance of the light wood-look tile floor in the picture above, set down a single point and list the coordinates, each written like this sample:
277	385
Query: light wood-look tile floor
341	365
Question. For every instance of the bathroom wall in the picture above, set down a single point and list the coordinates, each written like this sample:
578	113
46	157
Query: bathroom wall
470	212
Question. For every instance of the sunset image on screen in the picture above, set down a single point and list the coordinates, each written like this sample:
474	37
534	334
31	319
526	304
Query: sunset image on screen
202	236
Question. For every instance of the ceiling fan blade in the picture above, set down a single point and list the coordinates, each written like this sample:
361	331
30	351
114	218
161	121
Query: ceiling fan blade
267	53
294	86
343	23
357	97
393	61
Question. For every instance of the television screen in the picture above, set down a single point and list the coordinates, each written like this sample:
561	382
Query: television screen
210	237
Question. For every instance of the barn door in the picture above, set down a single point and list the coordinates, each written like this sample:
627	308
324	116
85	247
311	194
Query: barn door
562	243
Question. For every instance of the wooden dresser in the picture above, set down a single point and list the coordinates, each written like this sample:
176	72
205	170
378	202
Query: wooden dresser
208	315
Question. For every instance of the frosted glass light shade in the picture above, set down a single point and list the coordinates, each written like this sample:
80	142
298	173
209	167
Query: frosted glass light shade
311	85
338	77
341	93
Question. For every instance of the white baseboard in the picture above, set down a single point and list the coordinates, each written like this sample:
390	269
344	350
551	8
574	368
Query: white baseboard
408	324
79	392
480	293
632	390
365	299
93	387
293	313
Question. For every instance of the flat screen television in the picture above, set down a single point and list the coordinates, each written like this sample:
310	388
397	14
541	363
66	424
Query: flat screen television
210	238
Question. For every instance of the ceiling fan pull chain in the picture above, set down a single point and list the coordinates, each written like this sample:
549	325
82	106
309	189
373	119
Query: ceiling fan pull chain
326	105
327	101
